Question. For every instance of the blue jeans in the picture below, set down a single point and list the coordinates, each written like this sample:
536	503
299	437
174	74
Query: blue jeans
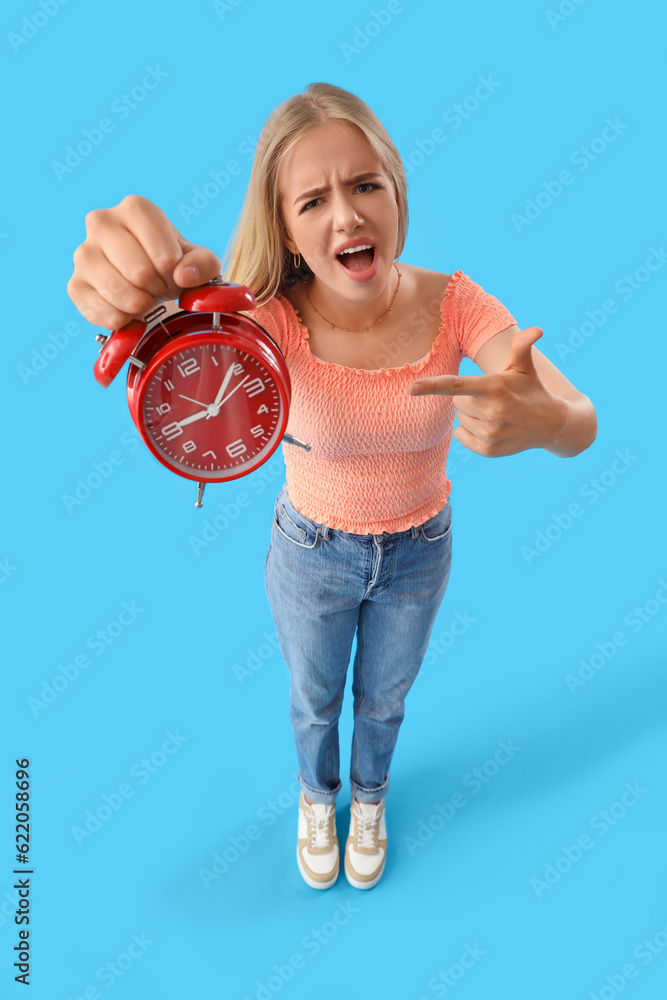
323	584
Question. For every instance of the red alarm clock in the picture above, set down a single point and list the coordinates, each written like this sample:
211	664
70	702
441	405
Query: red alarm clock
208	388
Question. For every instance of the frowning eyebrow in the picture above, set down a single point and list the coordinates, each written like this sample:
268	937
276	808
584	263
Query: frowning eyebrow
322	190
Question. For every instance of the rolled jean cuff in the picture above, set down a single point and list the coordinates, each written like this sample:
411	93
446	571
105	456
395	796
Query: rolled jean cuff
369	794
317	795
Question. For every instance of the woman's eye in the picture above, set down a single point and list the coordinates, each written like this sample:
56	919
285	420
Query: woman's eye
368	184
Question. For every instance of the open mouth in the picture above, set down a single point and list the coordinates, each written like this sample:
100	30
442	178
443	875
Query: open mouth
357	260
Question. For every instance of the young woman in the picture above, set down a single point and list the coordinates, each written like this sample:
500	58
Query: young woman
361	540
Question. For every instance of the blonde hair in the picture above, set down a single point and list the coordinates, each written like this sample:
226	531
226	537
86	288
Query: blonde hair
257	255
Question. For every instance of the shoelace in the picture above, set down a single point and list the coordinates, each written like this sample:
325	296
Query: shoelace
319	835
366	829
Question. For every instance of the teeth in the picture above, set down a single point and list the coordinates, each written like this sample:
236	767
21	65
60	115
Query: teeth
364	246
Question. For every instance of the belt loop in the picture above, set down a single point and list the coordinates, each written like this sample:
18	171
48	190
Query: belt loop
413	531
325	532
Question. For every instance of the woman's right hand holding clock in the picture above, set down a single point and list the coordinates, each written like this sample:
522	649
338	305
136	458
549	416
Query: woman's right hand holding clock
133	257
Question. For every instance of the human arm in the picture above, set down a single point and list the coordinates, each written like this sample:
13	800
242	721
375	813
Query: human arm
521	401
578	428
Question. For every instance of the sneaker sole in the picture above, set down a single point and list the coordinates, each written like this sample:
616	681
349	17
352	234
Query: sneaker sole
364	885
311	882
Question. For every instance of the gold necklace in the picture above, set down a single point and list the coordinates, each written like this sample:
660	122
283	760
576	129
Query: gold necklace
347	328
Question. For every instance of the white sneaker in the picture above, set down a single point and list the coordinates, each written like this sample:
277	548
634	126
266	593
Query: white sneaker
317	843
366	847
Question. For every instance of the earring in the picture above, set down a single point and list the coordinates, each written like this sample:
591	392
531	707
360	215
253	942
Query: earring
294	258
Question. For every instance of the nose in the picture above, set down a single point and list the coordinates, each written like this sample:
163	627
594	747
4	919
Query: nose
345	212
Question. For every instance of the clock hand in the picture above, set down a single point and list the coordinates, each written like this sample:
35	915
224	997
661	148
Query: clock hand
189	420
233	391
214	408
190	400
225	383
195	416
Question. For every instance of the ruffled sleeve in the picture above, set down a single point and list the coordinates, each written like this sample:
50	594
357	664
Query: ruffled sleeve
477	316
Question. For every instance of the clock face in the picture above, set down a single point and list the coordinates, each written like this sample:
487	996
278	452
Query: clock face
212	409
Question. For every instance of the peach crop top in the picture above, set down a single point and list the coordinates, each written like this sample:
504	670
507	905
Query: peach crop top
377	457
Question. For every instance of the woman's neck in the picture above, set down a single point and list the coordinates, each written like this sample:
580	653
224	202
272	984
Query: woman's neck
345	313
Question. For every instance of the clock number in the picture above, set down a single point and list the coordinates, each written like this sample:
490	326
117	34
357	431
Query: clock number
189	446
236	448
172	430
163	408
210	453
263	409
257	430
188	367
253	387
168	384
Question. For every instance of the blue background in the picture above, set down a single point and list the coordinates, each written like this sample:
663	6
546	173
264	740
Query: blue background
199	659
